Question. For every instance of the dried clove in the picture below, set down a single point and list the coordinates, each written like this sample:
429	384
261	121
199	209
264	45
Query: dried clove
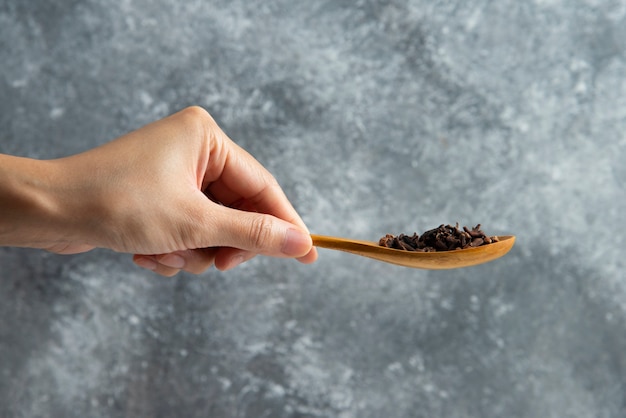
442	238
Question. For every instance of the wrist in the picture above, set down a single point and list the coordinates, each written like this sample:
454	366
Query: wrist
28	209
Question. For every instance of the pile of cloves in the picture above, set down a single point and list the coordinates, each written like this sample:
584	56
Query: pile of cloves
442	238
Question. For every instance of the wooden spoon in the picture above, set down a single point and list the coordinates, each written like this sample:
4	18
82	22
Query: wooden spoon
437	260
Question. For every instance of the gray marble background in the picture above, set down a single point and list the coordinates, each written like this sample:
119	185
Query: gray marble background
375	116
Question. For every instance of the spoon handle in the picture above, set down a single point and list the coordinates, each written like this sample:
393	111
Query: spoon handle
343	244
334	243
323	241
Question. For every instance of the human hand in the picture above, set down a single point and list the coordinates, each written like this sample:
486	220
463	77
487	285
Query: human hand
147	193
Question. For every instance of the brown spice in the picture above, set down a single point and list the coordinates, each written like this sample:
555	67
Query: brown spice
442	238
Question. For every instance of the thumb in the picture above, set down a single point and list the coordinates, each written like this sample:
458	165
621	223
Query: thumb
261	234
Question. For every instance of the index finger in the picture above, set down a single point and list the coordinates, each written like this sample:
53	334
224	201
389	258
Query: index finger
236	178
244	184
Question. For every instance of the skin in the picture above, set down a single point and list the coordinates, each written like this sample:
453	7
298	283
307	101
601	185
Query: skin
178	194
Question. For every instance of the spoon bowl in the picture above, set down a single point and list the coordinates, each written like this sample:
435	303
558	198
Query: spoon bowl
436	260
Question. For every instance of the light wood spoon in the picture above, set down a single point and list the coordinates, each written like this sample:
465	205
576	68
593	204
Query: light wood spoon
437	260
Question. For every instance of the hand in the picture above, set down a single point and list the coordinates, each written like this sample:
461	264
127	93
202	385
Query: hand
177	193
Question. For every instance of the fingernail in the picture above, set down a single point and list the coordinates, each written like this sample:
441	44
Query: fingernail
297	243
172	260
146	263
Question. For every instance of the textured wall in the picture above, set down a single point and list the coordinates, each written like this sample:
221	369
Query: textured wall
375	116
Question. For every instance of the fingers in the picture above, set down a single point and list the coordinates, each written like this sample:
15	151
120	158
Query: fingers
257	233
192	261
257	217
235	175
240	237
266	202
236	179
262	194
171	264
228	258
310	257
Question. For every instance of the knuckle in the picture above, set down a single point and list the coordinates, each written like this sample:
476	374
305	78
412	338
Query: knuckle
260	234
204	124
200	260
196	112
198	117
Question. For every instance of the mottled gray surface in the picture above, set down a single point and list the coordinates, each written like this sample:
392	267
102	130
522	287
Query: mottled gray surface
375	116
